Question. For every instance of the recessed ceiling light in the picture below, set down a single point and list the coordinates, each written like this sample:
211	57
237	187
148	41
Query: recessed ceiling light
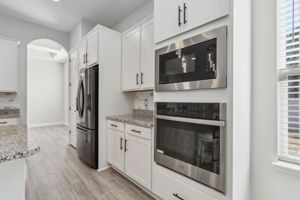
56	0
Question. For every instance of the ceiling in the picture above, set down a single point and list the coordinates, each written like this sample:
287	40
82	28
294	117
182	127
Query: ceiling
48	50
65	14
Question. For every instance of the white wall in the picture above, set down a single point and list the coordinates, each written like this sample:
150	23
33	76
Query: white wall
268	183
46	93
135	17
26	32
79	31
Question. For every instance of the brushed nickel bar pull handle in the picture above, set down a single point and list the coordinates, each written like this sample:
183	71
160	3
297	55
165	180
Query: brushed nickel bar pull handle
184	13
193	121
125	145
142	78
121	144
3	122
135	131
179	16
113	125
178	197
137	78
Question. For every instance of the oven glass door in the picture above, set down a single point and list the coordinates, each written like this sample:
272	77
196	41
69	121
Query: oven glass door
192	63
195	144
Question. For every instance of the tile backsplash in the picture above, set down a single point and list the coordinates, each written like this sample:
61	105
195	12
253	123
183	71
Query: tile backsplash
9	100
144	100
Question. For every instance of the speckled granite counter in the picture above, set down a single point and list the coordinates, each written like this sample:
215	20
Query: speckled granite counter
15	143
138	118
6	113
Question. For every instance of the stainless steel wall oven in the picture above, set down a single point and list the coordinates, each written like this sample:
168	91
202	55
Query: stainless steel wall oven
195	63
190	138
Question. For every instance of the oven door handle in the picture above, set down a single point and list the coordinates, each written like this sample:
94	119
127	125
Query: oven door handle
191	120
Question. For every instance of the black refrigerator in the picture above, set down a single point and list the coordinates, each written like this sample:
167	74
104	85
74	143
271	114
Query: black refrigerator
87	120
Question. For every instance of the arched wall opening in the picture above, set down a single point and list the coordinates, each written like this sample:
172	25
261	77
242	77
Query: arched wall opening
47	83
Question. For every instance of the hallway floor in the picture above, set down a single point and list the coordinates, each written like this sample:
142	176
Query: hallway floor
56	173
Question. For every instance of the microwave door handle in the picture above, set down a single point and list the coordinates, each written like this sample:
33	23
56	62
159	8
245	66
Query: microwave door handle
193	121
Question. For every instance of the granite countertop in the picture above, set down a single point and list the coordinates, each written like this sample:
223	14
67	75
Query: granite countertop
138	118
6	113
15	143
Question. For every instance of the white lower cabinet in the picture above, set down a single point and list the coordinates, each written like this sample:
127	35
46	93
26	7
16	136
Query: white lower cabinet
138	160
115	151
129	150
170	188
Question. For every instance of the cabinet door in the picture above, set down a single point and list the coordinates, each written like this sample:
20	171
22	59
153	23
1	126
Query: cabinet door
167	17
8	66
115	148
147	56
131	60
199	12
82	55
138	160
73	79
92	49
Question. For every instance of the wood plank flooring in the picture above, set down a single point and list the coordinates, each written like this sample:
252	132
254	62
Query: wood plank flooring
56	173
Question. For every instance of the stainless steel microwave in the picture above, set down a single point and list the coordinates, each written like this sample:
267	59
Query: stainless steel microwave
199	62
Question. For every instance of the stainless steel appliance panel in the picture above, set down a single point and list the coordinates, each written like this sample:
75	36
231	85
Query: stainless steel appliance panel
87	120
86	146
192	146
202	66
87	99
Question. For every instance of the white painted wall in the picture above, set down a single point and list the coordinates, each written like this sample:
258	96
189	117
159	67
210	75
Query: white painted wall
27	32
135	17
268	183
79	31
46	93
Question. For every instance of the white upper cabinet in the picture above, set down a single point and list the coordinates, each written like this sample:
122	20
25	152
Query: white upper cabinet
198	12
147	56
166	16
131	60
8	66
138	58
92	49
88	50
82	55
173	17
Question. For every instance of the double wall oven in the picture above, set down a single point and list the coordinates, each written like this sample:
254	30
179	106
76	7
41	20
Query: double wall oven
199	62
190	138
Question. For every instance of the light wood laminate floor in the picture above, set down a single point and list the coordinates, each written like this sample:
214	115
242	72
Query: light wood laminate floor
56	173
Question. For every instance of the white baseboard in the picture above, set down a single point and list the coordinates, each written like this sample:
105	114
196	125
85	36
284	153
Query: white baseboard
45	124
102	169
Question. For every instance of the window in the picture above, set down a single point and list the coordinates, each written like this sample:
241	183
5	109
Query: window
288	88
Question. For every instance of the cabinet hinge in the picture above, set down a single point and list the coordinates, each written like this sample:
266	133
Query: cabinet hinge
70	132
70	84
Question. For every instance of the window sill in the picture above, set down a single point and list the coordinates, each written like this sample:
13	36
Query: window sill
286	167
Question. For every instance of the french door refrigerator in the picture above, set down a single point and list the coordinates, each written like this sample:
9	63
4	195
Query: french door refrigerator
87	120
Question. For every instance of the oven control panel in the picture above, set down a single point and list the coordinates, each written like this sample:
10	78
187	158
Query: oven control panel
210	111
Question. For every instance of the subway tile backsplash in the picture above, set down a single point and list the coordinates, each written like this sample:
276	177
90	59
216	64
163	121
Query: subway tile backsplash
143	101
9	100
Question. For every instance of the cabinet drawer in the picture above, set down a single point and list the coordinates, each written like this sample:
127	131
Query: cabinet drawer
138	131
174	189
8	122
119	126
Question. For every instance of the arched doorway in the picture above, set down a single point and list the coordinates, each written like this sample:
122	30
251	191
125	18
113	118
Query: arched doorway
47	83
